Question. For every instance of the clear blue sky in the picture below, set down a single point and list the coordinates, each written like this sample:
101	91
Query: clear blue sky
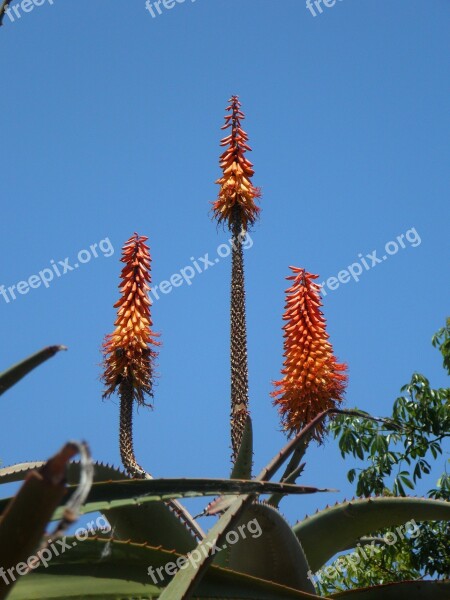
111	124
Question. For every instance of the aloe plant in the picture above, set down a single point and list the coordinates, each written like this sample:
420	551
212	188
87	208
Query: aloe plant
155	548
129	352
235	207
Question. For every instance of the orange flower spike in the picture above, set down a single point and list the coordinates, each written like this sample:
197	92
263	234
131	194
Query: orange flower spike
236	189
313	380
129	351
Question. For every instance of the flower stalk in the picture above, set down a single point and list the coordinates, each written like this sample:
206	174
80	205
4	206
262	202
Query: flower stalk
129	352
235	206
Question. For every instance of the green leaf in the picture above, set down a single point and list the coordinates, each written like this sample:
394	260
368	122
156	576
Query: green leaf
123	502
100	564
135	510
242	468
102	472
298	442
340	526
264	546
404	590
351	475
26	516
17	372
155	522
77	587
146	490
407	482
275	499
18	472
398	488
379	445
293	469
187	580
222	504
107	494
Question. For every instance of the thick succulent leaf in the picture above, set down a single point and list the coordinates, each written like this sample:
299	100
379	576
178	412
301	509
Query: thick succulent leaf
242	468
155	523
107	570
135	512
109	558
114	494
18	472
17	372
265	547
297	456
75	587
337	527
223	503
276	498
163	489
404	590
190	488
102	472
293	471
158	523
300	441
27	515
367	541
186	581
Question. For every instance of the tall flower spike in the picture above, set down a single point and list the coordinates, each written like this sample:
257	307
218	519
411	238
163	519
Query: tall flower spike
235	206
237	194
129	352
313	380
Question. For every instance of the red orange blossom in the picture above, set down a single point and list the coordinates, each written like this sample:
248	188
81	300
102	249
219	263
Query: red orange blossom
237	193
313	380
128	351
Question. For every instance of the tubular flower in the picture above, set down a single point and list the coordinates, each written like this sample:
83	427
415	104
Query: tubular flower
129	352
313	380
237	193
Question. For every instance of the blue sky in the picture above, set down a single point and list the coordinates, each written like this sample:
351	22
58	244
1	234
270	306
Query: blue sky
111	124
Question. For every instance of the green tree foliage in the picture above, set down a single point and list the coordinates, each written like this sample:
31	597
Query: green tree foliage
396	455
